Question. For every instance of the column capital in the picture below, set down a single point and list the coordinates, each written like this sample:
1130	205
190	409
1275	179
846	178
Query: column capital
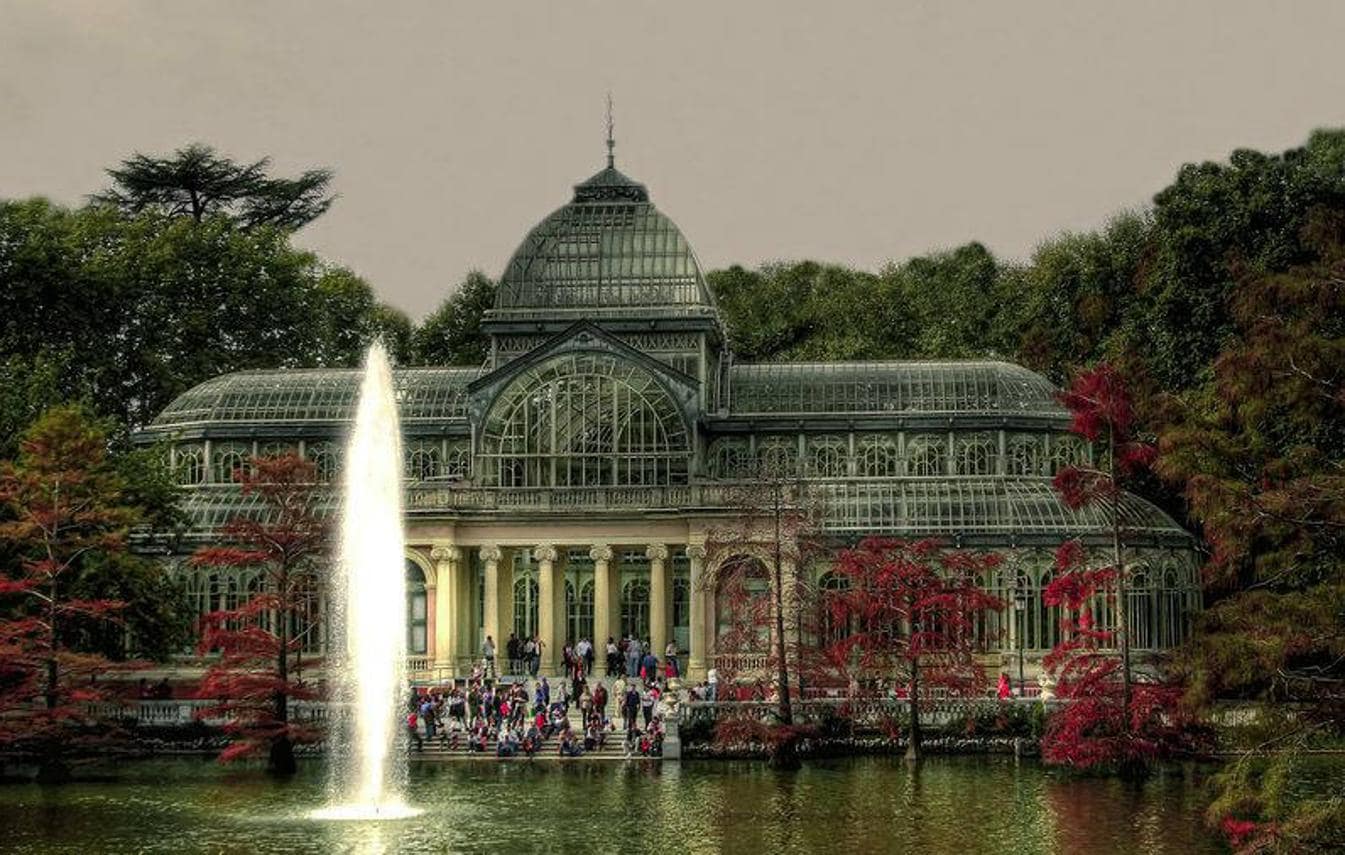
657	552
445	554
600	552
544	552
491	553
696	551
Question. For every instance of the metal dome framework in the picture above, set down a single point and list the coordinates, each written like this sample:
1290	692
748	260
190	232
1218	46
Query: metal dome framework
608	249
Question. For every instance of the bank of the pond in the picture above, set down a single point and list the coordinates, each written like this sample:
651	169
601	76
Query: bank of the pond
857	805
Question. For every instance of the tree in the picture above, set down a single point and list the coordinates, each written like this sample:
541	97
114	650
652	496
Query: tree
258	674
1258	451
62	511
197	182
912	610
1105	722
1101	411
128	312
452	335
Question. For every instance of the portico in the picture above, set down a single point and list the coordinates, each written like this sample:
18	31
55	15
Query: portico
563	588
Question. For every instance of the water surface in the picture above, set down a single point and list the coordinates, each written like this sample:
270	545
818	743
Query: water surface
955	804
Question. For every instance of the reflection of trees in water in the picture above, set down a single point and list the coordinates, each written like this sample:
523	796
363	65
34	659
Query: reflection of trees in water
1092	815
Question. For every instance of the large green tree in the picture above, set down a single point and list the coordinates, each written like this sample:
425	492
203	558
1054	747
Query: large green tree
452	335
1259	453
127	312
197	182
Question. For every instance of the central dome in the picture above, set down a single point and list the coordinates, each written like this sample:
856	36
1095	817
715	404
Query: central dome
608	251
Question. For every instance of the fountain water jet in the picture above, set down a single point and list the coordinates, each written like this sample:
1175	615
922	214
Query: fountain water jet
369	631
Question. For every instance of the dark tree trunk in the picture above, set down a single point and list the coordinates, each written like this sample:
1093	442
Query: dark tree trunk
913	702
280	761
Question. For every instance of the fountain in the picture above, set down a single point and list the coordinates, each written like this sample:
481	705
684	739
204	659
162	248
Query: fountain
369	617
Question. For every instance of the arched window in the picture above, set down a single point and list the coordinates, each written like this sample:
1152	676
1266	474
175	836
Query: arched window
1139	610
878	457
1173	619
1025	455
681	610
926	456
579	611
230	458
828	456
729	458
458	464
584	419
742	608
830	588
190	465
635	609
417	613
526	606
325	458
423	460
1067	450
976	454
277	448
778	455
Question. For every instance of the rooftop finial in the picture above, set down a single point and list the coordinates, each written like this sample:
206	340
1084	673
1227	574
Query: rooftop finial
611	143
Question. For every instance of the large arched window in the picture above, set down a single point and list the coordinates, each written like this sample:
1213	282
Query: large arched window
742	606
830	629
635	609
578	611
584	419
417	614
526	609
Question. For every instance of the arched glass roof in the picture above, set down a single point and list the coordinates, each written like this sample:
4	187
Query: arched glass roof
969	387
914	507
314	395
609	248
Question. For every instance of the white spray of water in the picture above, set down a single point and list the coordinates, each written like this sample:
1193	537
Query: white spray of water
370	613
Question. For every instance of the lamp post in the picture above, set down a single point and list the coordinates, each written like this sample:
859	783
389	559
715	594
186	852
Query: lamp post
1020	608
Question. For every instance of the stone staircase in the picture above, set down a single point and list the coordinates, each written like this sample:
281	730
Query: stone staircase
441	747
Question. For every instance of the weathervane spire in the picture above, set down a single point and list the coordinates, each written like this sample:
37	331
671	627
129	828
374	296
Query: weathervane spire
611	143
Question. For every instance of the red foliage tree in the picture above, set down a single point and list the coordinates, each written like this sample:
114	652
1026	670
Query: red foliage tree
62	504
1101	724
1101	411
912	610
257	675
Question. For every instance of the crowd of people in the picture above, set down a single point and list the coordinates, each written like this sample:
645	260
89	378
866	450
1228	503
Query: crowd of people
527	713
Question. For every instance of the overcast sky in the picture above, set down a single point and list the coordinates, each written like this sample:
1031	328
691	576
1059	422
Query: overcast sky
850	132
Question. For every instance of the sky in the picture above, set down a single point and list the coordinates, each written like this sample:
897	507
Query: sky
852	132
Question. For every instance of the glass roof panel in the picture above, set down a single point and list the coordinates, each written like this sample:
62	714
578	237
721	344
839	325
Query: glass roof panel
967	387
315	395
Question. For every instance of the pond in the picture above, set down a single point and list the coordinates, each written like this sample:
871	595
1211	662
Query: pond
953	804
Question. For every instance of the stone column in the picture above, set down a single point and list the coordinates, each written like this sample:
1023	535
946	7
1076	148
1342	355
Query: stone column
546	606
601	554
658	598
445	606
699	632
492	556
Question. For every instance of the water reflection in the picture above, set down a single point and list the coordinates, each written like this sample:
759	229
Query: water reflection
857	806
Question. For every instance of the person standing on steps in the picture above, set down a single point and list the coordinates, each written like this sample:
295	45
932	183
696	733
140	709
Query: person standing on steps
670	656
488	657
